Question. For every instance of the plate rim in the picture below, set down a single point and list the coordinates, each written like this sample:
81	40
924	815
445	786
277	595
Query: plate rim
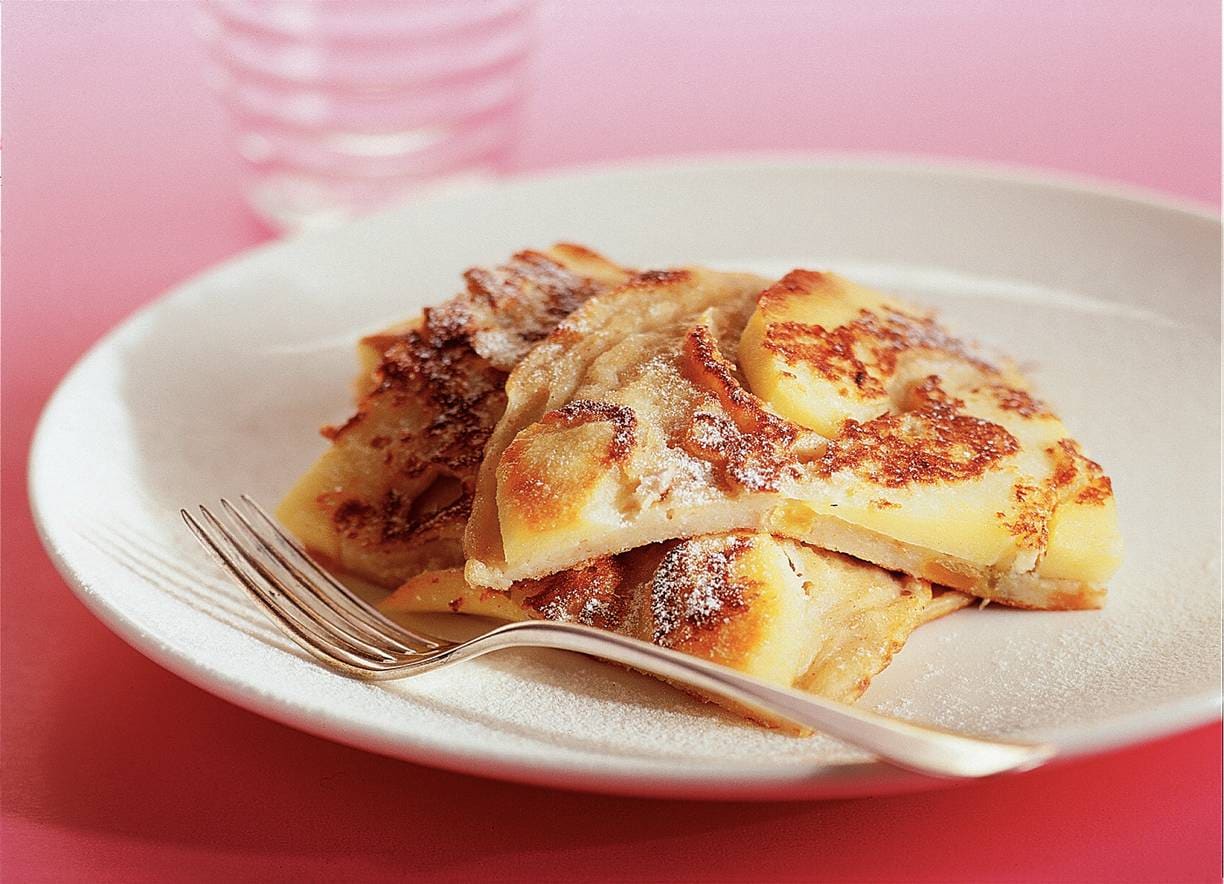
822	781
996	170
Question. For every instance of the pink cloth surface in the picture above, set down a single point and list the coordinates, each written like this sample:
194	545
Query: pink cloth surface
120	182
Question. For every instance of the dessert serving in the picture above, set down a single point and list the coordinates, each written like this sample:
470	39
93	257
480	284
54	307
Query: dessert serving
784	476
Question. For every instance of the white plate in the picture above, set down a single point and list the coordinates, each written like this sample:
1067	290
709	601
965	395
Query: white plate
217	389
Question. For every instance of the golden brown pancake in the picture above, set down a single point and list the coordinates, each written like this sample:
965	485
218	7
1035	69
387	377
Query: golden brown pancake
688	403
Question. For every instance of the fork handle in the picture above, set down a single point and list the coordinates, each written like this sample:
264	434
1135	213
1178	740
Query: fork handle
920	748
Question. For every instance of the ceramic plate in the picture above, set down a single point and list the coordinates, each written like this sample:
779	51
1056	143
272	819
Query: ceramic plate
1110	297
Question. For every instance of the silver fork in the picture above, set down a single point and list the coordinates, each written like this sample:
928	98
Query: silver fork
345	633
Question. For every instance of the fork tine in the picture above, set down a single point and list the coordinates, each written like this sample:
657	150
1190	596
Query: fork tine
370	615
282	617
283	593
356	624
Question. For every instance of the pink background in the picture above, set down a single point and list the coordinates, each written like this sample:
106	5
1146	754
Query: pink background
120	183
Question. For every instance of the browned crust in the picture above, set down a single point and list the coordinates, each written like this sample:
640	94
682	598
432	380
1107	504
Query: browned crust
396	518
748	446
797	282
862	353
584	411
1017	401
526	299
1096	492
655	278
1076	477
934	442
1029	521
542	495
591	594
709	370
699	605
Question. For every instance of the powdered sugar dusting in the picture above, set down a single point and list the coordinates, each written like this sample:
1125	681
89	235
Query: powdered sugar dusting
693	586
677	476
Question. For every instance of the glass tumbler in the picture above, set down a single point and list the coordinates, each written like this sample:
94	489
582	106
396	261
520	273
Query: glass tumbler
341	106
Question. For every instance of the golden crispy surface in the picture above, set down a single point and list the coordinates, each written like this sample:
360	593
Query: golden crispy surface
773	608
391	495
693	402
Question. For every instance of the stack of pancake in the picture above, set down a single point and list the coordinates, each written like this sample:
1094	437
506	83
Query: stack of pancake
787	476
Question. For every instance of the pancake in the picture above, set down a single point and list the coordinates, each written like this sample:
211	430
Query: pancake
773	608
688	403
390	496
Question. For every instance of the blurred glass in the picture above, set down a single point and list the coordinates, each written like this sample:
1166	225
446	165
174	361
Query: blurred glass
342	106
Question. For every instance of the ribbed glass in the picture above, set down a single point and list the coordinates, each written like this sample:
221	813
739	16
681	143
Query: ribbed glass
341	106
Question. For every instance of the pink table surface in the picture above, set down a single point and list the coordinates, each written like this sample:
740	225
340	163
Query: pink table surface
120	183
